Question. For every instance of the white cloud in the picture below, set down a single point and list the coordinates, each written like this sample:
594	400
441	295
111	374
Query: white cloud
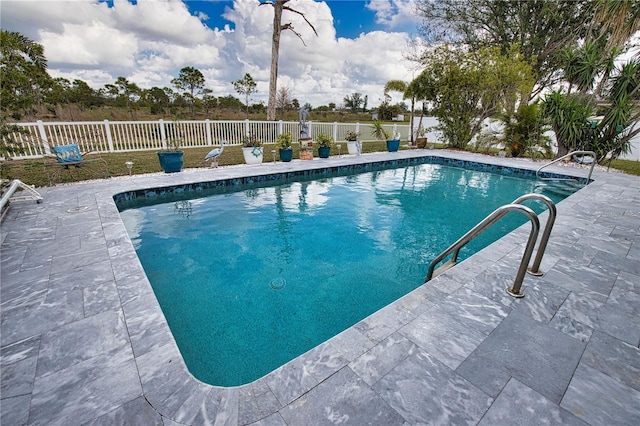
394	14
149	42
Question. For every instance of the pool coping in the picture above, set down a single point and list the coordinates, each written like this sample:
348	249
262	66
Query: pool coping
164	383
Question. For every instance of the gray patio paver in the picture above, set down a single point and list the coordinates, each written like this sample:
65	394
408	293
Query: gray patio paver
521	405
85	342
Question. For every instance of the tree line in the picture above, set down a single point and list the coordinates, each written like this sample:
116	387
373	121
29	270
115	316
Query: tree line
28	91
531	64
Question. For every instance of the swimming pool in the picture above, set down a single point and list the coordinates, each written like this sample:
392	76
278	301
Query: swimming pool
258	260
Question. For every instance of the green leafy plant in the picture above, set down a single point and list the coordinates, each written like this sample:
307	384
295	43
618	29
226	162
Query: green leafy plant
250	140
378	131
524	131
9	145
283	141
324	140
351	136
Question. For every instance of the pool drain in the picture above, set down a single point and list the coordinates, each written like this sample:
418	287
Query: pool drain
277	283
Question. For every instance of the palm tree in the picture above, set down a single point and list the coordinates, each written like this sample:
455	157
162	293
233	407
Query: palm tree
24	73
278	7
614	23
404	88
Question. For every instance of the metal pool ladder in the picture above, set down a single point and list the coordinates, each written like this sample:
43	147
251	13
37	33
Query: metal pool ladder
495	216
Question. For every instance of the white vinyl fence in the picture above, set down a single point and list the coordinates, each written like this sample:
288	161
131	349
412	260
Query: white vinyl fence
124	136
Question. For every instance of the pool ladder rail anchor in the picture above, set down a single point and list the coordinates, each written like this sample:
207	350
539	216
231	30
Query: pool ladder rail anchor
494	217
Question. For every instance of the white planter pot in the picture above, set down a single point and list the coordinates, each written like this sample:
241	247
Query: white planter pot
352	147
252	155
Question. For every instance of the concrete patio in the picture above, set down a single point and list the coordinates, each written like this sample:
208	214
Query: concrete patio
83	340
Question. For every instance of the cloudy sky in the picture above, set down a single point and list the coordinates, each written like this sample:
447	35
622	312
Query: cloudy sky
361	44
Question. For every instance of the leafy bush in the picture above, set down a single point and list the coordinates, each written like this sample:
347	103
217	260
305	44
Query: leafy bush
283	141
324	140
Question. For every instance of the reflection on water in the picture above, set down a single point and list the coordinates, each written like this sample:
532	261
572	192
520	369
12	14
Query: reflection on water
183	208
344	246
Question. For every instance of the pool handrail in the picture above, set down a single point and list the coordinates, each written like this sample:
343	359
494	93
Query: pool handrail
593	154
8	194
495	216
534	269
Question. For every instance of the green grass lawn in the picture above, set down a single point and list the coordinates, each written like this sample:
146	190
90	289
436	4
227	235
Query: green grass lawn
33	172
628	166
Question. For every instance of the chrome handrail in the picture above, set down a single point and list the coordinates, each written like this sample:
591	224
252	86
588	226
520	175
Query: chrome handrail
496	215
593	154
535	267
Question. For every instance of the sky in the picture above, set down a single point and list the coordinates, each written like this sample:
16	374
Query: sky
361	44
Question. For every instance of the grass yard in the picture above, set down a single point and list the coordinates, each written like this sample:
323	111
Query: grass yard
34	172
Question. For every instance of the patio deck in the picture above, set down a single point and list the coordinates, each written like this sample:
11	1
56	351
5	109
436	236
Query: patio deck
83	340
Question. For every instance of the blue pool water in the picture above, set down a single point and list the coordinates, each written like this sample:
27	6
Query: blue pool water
249	280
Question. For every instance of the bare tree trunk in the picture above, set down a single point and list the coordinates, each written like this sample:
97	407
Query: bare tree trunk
275	48
413	108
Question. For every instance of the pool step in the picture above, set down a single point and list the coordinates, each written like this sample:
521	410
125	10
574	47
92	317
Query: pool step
444	267
563	188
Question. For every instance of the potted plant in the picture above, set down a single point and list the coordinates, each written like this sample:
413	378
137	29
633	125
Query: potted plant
353	145
252	149
283	142
324	145
171	158
379	132
393	144
421	136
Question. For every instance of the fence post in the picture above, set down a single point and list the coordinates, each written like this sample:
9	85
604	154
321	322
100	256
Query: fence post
43	136
163	136
335	131
311	132
280	127
207	124
246	126
107	129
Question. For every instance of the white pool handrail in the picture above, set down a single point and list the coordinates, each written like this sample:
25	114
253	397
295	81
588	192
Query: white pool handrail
28	193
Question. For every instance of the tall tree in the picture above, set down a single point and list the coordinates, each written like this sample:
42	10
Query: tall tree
283	100
24	74
353	101
127	94
191	82
614	24
245	86
278	7
84	95
407	93
208	100
59	93
466	88
157	100
541	28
